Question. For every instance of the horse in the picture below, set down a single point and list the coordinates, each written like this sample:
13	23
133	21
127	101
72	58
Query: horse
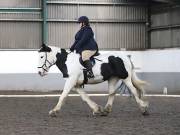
110	67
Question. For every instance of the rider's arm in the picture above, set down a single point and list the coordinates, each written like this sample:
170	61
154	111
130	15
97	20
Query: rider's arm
73	46
87	34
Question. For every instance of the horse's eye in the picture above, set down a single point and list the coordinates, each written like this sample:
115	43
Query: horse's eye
41	57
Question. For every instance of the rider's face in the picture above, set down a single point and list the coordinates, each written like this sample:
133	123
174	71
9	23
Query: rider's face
80	25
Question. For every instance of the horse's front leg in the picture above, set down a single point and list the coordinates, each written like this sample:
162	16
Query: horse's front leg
97	109
70	83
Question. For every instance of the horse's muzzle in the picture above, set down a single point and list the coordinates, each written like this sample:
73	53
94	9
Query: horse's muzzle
40	73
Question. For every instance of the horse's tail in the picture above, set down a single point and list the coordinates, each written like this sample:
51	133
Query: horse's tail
138	83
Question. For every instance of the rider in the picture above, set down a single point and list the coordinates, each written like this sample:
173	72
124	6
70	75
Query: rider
85	44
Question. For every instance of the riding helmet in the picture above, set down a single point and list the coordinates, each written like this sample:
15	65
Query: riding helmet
83	19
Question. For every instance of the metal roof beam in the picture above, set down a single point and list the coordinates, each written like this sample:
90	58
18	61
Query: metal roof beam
167	1
98	3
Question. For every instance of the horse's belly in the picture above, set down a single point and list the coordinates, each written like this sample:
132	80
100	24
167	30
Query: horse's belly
91	81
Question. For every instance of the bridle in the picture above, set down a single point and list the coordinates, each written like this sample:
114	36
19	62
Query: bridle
44	66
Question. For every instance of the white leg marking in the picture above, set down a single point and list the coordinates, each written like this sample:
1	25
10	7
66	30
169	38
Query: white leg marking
86	98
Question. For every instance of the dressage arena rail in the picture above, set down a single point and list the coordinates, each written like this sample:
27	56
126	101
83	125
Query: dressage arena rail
77	95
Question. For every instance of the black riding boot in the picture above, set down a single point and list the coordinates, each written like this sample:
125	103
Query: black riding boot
88	66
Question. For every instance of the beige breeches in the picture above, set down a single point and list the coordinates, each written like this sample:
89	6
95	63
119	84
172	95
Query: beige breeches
86	54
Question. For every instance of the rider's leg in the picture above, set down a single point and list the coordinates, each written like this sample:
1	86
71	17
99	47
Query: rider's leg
88	65
86	54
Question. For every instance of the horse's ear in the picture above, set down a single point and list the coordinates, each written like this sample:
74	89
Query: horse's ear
43	45
63	51
45	48
48	49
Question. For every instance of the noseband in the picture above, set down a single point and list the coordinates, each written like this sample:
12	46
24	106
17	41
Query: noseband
44	66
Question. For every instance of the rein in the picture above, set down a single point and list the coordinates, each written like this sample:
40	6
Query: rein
44	66
97	59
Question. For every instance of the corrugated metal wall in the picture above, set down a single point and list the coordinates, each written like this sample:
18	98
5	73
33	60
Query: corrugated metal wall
165	26
20	28
20	35
116	23
123	35
20	3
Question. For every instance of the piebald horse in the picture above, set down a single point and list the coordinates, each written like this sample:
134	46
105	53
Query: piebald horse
110	67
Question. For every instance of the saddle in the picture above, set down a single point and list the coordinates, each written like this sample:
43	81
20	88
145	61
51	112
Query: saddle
92	59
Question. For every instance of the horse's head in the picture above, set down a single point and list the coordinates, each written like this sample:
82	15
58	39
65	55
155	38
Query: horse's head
46	59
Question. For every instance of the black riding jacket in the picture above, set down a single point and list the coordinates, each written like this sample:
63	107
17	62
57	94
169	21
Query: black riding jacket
84	40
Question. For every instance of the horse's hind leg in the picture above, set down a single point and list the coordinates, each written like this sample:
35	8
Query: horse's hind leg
97	110
142	104
111	87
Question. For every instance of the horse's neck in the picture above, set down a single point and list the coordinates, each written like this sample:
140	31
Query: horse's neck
73	60
55	50
73	57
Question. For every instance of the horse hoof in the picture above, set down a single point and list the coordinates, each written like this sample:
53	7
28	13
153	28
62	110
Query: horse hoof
100	112
108	109
145	111
104	113
53	113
